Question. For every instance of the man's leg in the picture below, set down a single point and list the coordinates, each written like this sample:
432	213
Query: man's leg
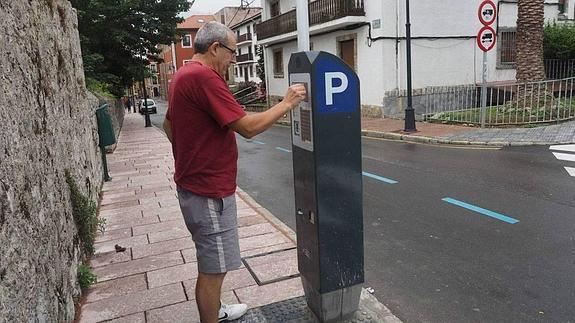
208	290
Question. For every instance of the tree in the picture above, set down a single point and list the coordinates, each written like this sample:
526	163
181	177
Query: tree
117	36
530	23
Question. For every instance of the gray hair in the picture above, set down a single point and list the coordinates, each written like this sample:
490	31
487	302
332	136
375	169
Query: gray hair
210	33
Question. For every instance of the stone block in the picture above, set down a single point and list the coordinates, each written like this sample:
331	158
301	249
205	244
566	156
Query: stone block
173	274
138	266
256	296
111	257
115	307
264	240
158	227
116	287
175	233
162	247
108	246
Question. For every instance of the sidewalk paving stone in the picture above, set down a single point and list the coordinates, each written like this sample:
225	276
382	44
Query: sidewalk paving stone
116	287
128	223
158	227
268	272
256	229
185	312
111	257
176	233
250	220
173	274
138	266
107	246
261	295
162	247
189	255
264	240
134	318
113	235
235	279
264	250
133	303
119	205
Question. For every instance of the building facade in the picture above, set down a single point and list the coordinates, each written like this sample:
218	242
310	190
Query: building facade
180	52
369	35
247	59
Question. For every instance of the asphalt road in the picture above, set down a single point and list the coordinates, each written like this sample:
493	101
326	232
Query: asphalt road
430	260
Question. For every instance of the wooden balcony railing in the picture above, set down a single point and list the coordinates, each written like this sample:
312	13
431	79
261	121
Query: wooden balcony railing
245	57
320	11
244	37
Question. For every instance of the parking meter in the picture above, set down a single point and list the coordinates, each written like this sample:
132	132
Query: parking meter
326	145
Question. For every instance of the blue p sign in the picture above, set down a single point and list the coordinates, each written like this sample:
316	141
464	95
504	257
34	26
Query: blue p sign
337	85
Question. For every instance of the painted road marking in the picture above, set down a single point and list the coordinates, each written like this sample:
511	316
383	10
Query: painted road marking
258	142
570	148
561	156
570	170
283	149
379	178
481	210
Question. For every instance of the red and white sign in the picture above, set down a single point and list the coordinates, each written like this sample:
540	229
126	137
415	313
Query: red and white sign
487	12
486	38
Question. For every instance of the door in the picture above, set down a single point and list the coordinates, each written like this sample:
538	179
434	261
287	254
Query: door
347	52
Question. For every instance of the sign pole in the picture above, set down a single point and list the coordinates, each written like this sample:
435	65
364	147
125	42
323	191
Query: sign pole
302	25
484	91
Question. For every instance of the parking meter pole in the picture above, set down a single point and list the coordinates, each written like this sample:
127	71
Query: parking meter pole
302	25
409	111
484	90
146	112
326	151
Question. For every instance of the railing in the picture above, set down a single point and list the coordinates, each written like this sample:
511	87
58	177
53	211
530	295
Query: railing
320	11
513	104
245	57
244	37
559	68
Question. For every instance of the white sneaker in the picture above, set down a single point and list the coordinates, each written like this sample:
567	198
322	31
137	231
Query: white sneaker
231	312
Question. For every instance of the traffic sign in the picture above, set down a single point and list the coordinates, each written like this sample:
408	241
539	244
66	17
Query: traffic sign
487	12
486	38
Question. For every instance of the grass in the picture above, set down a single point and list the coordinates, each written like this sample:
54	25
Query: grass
563	109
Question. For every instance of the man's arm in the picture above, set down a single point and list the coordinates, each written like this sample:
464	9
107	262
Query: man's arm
257	123
168	129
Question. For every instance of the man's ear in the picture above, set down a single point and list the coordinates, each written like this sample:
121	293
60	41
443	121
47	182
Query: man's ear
213	48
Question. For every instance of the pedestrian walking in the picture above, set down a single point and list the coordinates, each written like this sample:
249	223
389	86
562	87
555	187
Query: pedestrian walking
200	123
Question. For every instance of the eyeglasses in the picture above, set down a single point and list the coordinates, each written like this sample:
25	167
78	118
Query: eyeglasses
233	51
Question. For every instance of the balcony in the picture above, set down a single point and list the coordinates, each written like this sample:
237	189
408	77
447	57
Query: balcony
320	11
244	58
244	38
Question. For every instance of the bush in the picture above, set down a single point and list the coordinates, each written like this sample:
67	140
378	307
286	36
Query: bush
96	86
85	276
84	213
559	41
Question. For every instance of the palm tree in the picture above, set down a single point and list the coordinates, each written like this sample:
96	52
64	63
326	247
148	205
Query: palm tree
529	43
529	46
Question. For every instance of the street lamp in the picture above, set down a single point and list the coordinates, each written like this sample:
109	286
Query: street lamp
145	103
409	111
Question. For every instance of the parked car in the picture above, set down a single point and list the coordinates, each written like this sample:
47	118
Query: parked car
150	106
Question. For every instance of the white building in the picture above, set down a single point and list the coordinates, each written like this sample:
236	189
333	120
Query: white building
370	36
247	59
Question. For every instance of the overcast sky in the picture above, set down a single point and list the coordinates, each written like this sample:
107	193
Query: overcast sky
212	6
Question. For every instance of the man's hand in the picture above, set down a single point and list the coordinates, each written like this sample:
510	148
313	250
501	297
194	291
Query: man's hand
294	95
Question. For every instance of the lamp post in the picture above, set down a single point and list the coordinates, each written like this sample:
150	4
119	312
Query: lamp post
145	103
409	111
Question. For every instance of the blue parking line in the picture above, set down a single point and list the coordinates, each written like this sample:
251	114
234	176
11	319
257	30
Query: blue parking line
481	210
283	149
379	178
258	142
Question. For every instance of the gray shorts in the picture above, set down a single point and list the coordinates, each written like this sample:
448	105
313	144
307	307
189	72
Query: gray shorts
214	227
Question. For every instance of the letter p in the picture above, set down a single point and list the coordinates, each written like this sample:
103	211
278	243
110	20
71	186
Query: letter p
330	90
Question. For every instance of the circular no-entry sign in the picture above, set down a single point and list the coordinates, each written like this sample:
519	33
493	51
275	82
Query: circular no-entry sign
486	38
487	12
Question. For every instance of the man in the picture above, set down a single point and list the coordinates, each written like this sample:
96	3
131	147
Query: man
201	121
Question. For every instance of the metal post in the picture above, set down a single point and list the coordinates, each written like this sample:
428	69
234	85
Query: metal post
409	111
302	25
146	114
484	90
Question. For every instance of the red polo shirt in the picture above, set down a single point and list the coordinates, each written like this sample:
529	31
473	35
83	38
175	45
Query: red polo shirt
200	109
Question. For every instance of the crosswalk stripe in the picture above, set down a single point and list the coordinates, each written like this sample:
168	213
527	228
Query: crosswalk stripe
570	148
570	170
568	157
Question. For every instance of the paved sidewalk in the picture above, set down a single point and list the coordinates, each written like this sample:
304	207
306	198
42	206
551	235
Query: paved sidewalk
153	279
435	133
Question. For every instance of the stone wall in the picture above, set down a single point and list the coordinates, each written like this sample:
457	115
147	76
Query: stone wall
48	126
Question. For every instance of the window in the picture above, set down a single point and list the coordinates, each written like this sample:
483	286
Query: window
153	68
235	71
241	72
249	29
251	71
250	49
506	47
187	41
154	80
278	63
275	9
